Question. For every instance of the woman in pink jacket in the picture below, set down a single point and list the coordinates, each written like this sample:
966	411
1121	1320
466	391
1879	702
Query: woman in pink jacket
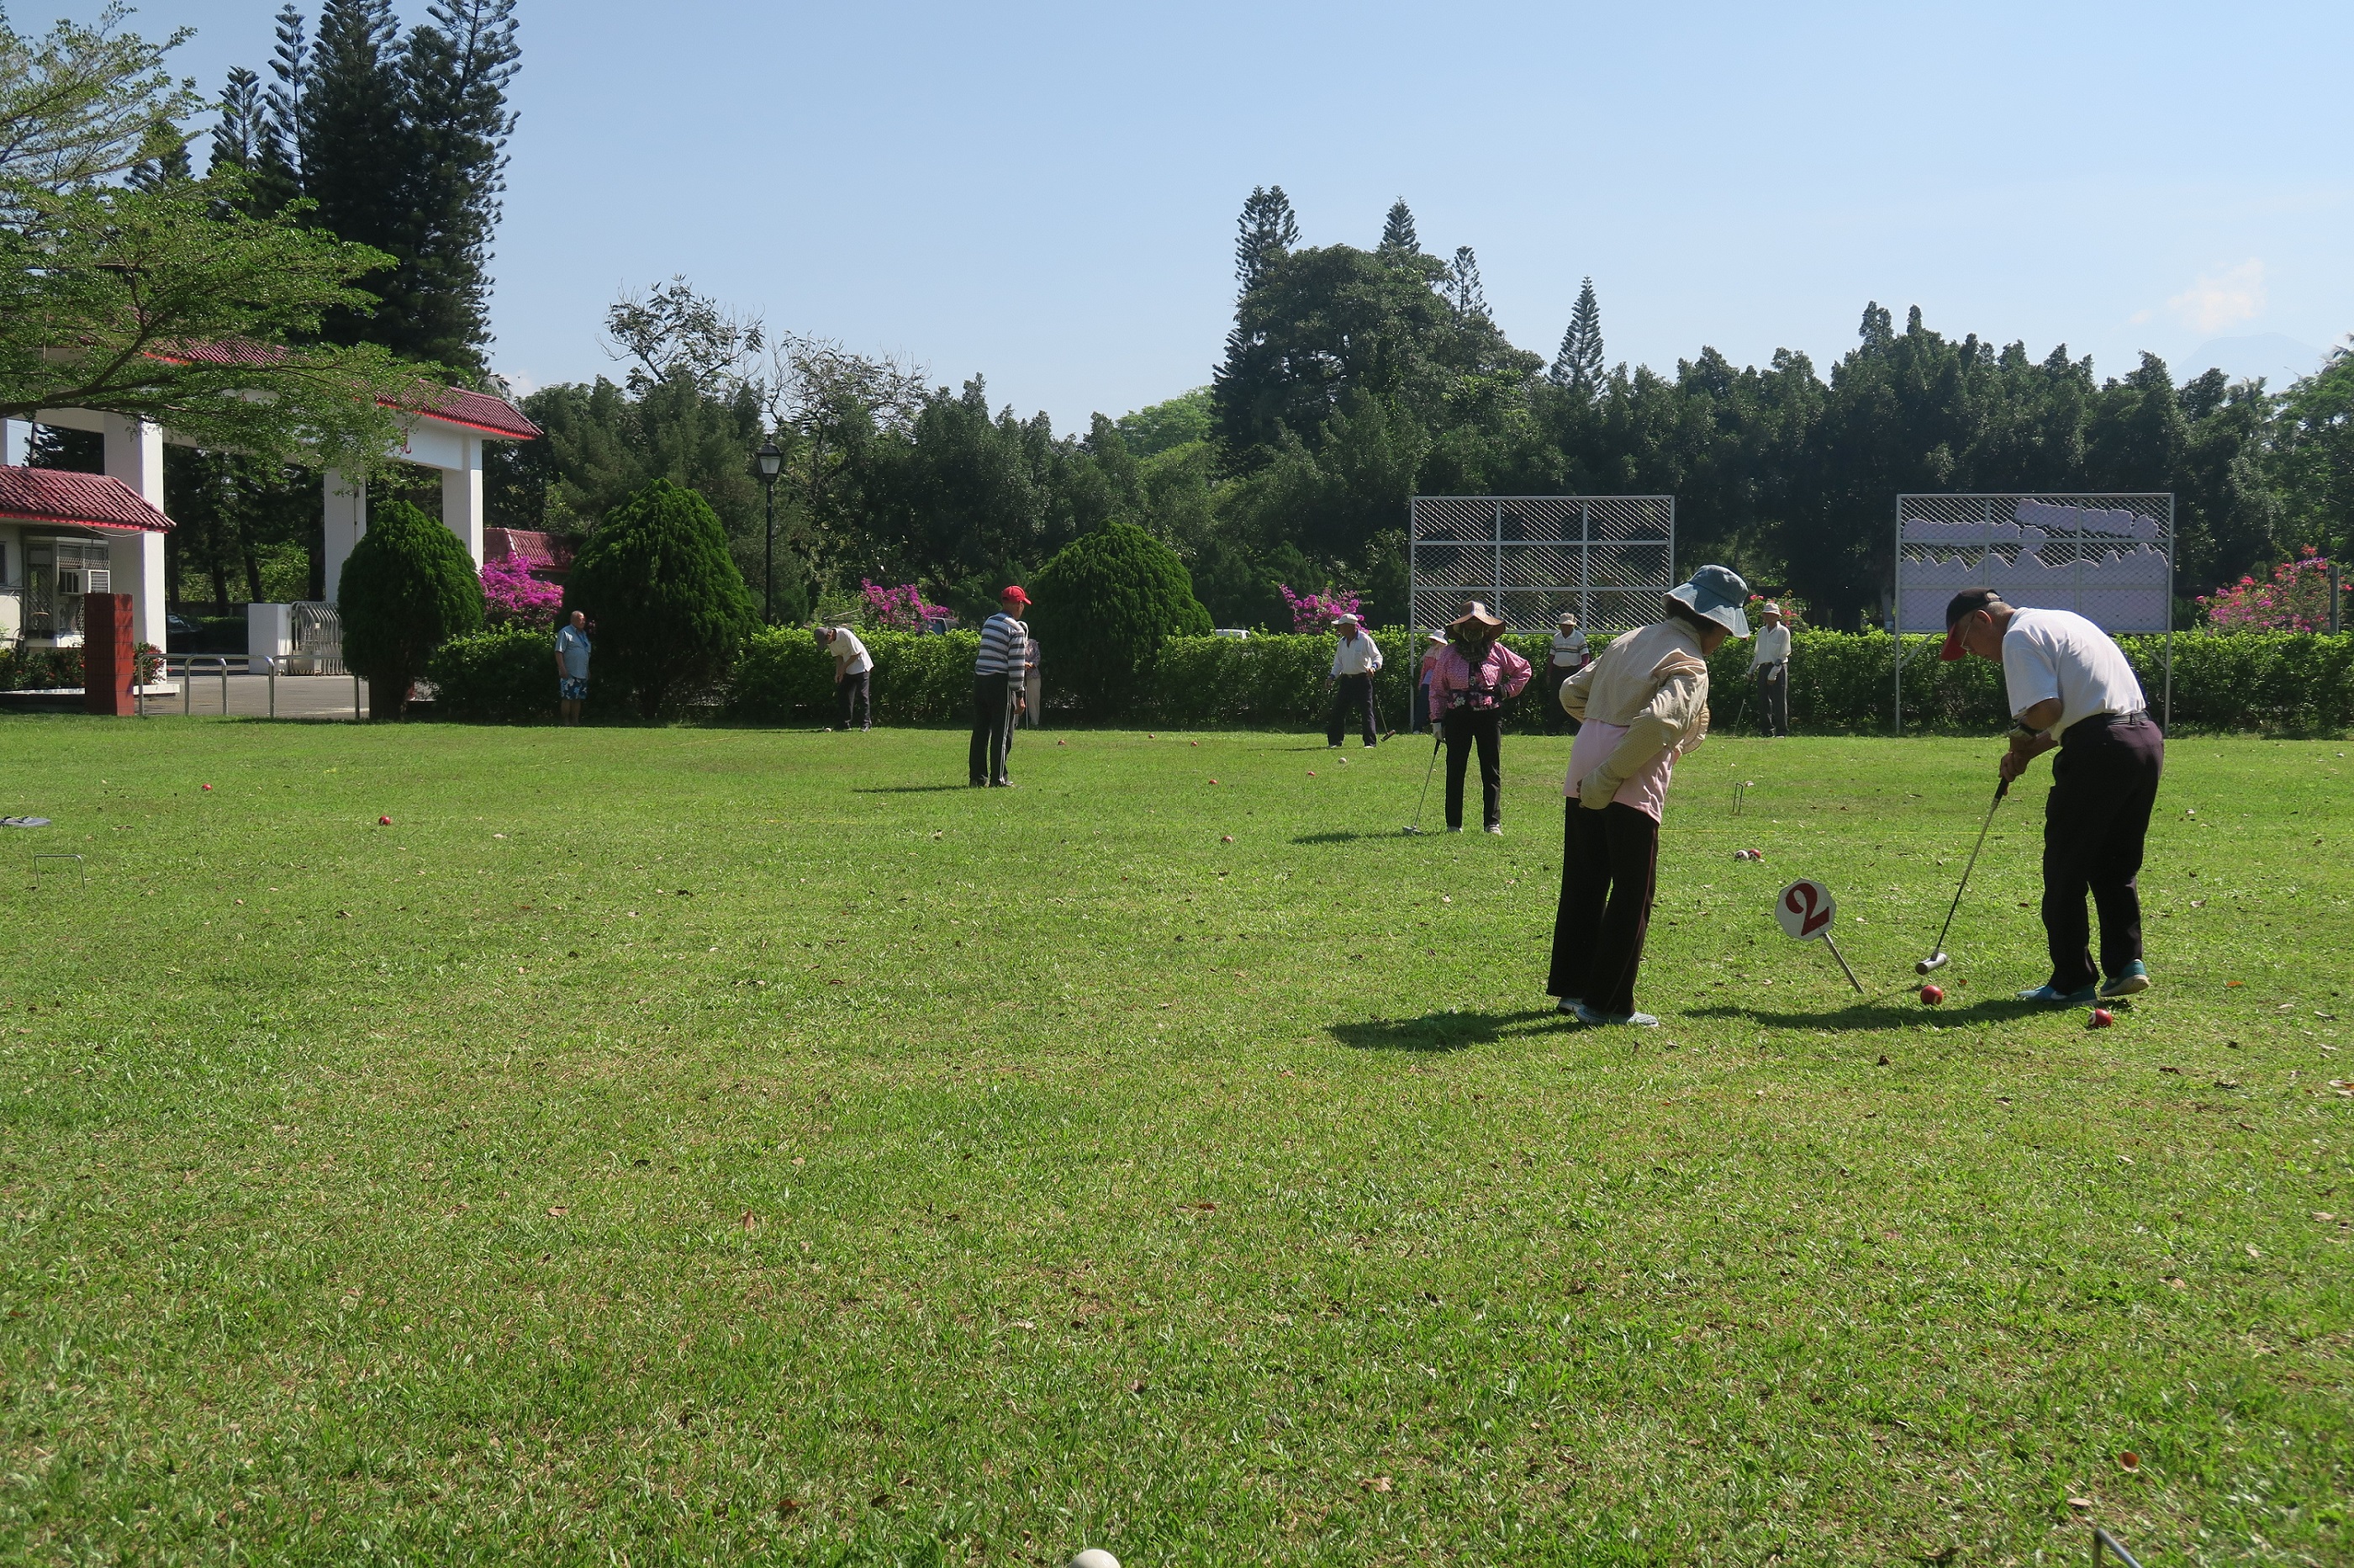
1643	705
1473	677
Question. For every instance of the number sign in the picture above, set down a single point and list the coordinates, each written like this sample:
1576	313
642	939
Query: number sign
1805	909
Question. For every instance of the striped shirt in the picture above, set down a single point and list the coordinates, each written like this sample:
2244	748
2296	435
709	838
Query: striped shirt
1004	647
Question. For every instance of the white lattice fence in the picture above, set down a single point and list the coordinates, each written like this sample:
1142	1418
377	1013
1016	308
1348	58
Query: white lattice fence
1608	559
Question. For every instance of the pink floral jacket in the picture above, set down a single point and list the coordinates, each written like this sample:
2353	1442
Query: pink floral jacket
1455	683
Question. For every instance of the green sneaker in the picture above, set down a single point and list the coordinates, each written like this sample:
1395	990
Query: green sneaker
2131	981
2050	998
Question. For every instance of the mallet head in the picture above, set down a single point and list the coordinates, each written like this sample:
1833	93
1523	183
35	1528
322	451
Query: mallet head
1935	961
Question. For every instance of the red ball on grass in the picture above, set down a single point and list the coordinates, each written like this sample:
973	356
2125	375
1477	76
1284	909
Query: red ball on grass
2102	1018
1933	994
384	821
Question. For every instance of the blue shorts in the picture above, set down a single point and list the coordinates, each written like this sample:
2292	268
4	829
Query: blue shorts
572	689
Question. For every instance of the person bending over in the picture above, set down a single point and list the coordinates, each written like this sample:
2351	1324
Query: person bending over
1643	703
2069	687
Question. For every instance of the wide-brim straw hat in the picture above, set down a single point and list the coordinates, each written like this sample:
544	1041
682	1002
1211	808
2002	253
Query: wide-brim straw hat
1770	608
1568	619
1476	614
1716	593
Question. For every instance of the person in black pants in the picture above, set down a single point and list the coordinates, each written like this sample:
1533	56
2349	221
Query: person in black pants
997	696
1474	676
2070	687
1354	662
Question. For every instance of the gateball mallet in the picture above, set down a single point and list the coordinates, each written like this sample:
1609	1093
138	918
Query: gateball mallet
1436	735
1937	959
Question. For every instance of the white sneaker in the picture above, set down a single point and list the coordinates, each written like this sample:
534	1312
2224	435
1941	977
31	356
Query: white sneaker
1498	831
1455	830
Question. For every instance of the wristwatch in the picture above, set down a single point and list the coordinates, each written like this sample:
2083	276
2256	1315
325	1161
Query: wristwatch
2022	734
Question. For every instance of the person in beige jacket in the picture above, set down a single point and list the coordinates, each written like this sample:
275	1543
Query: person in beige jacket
1643	703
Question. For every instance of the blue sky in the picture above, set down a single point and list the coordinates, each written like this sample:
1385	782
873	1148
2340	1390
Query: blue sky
1047	194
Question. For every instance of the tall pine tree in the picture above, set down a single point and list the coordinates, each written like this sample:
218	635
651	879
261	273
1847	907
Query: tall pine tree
1398	238
1264	234
1463	288
400	142
1578	366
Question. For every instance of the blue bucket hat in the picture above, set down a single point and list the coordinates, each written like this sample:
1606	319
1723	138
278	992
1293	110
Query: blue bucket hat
1717	593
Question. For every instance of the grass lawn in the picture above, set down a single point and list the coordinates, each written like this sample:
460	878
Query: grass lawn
704	1146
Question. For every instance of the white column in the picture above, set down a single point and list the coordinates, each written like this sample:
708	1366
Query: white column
135	454
346	520
461	499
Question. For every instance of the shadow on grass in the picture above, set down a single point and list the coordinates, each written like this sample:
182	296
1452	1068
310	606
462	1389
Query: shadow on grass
1878	1013
908	788
1345	838
1441	1030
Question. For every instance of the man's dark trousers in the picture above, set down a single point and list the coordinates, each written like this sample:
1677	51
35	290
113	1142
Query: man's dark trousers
1609	873
1773	699
2104	783
1350	693
856	692
1463	726
1556	716
993	717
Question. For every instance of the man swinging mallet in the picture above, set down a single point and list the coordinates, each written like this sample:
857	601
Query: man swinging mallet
2070	687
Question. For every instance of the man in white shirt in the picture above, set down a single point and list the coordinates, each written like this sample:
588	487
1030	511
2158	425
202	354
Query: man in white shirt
1354	660
997	681
853	674
1569	656
2070	686
1769	662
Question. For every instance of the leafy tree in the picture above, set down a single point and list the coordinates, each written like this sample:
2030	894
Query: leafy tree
2317	453
669	606
1104	606
406	588
1578	367
102	293
82	102
1184	417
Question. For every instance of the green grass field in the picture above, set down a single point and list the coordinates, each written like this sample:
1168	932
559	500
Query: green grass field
704	1146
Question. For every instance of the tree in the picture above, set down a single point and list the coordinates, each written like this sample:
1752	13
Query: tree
171	306
1265	232
80	103
1464	291
408	587
2317	453
1398	238
1578	367
669	606
1104	606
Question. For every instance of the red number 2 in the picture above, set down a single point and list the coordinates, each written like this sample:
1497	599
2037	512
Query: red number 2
1811	918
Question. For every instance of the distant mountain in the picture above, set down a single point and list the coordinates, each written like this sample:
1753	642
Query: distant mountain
2279	360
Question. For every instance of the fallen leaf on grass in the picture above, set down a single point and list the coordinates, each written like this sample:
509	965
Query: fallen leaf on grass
751	1221
2251	1250
787	1506
2174	1070
1377	1484
2130	1460
558	1212
2177	1285
2080	1502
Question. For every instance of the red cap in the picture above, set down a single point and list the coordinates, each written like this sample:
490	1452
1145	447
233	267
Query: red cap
1953	648
1015	594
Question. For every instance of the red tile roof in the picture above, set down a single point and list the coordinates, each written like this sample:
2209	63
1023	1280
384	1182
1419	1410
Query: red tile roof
79	500
454	405
539	552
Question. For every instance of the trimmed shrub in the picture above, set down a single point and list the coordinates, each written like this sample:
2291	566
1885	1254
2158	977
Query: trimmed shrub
1104	606
783	677
24	668
503	675
408	587
667	606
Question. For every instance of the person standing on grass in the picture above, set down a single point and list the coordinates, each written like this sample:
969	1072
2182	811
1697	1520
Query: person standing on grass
1568	657
2070	687
997	695
1474	676
571	668
1769	663
1354	660
1643	703
854	673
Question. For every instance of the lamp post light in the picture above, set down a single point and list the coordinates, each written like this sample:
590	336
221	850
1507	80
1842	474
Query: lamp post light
772	462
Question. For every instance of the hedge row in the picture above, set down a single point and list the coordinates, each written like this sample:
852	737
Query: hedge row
1841	682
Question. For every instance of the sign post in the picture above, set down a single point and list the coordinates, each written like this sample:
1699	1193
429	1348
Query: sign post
1806	909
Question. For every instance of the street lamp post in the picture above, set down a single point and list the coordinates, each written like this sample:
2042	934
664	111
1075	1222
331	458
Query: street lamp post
772	461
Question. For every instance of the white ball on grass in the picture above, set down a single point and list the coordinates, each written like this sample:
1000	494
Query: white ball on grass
1095	1557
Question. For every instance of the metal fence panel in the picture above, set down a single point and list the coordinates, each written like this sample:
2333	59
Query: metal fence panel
1607	559
2109	557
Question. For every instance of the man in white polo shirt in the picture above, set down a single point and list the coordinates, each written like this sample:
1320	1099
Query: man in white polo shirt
1354	662
2070	687
854	673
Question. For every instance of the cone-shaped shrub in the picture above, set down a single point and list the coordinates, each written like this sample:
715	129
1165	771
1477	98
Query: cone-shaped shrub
408	587
668	607
1103	607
